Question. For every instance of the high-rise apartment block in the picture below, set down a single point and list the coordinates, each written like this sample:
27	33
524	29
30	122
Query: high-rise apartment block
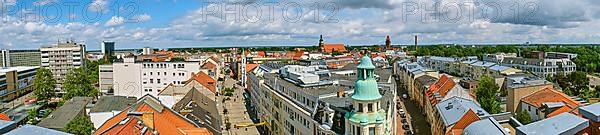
61	58
17	58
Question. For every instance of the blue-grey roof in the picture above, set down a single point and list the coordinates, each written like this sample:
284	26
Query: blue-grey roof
469	61
452	109
487	126
34	130
563	124
499	68
591	112
6	126
483	64
447	59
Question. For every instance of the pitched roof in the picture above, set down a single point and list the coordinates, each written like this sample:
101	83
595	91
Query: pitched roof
549	95
333	47
464	121
205	80
152	116
250	67
209	65
5	117
440	88
64	114
34	130
451	110
112	103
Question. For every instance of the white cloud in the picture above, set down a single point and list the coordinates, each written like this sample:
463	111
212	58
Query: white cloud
142	17
99	6
115	21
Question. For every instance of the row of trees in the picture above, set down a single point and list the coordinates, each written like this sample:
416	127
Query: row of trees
78	82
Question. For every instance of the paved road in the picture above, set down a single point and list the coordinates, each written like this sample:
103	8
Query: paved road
237	112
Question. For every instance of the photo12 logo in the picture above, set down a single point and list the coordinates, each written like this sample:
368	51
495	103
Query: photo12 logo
54	12
253	12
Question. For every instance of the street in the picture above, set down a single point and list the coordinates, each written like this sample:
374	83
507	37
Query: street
237	113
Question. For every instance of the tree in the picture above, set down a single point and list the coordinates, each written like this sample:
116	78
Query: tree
77	83
44	84
177	59
579	82
486	95
523	117
81	125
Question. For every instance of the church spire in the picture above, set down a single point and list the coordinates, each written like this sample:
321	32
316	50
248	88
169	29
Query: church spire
388	42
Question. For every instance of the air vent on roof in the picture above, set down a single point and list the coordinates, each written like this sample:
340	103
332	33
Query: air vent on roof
449	106
480	113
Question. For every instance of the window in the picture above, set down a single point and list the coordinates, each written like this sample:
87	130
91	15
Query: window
360	107
157	80
370	107
151	80
150	73
372	131
357	130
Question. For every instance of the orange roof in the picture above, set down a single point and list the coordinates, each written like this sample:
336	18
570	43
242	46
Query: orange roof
333	47
298	55
442	86
464	121
545	95
548	95
206	81
261	53
164	121
209	65
5	117
250	67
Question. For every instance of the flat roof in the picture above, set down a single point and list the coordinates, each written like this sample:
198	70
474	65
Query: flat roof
591	112
565	123
452	109
35	130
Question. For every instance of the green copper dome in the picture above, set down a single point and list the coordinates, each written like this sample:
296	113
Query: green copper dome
365	87
366	63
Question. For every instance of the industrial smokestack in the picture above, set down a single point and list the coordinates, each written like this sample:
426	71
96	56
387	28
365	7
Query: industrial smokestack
416	46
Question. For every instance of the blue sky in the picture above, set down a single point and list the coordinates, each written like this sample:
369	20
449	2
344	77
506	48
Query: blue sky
28	24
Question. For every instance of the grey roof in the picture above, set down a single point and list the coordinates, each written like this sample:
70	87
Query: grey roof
452	109
271	66
426	80
446	59
499	68
6	126
591	112
112	103
34	130
518	81
523	61
483	64
64	114
564	124
487	126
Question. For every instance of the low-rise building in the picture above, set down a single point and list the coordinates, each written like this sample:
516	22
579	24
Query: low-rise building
592	113
541	67
140	78
450	111
58	120
108	106
149	116
562	124
16	81
547	103
519	86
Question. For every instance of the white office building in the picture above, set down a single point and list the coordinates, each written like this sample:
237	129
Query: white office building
140	78
61	58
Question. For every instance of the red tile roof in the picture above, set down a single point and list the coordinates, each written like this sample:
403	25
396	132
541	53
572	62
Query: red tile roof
163	121
442	86
205	80
333	47
209	65
545	95
5	117
261	53
464	121
250	67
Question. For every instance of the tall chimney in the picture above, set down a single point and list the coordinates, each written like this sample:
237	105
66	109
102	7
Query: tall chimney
416	45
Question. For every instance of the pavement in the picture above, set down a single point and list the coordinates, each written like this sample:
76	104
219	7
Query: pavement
237	111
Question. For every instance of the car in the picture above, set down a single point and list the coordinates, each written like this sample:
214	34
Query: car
404	96
42	113
402	115
405	127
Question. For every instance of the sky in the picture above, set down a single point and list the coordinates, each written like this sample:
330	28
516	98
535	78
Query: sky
29	24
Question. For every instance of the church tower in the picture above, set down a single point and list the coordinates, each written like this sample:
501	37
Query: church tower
367	116
321	42
388	42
